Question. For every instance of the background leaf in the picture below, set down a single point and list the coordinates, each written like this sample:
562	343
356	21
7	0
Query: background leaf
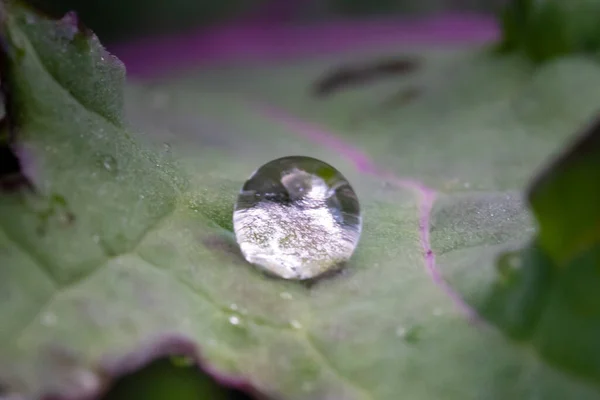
148	265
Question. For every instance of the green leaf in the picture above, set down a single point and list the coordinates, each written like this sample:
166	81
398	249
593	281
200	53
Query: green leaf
124	252
547	29
548	296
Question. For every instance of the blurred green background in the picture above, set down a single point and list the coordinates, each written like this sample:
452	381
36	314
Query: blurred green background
121	19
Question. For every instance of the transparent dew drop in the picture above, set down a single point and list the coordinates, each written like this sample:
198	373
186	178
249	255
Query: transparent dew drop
109	163
296	218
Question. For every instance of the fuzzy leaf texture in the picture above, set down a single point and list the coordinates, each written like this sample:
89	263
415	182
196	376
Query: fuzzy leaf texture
123	250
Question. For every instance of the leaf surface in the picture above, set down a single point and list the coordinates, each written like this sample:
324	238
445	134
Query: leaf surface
126	251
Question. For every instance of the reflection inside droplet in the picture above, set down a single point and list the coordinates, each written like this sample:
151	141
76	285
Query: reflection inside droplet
297	217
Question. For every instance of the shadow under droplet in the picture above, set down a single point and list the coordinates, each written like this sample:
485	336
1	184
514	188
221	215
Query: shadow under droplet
224	244
340	271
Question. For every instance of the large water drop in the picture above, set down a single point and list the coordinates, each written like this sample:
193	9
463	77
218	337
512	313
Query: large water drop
297	217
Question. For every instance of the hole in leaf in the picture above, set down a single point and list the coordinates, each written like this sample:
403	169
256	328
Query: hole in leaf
176	377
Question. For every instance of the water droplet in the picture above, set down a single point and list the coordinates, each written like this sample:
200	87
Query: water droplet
285	296
109	163
297	217
233	307
234	320
141	197
295	324
48	319
166	147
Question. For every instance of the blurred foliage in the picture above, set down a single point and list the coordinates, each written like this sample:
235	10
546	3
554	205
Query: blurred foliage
546	29
116	19
170	378
119	19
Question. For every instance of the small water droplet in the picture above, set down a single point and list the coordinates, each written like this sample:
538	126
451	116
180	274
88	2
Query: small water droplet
285	296
295	324
233	307
49	319
166	147
305	222
142	197
109	163
234	320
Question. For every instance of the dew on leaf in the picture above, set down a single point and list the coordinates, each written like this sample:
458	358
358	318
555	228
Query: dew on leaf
234	320
109	163
295	324
233	307
297	217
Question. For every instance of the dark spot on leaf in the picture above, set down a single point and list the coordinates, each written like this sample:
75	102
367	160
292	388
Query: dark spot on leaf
57	207
344	76
413	334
